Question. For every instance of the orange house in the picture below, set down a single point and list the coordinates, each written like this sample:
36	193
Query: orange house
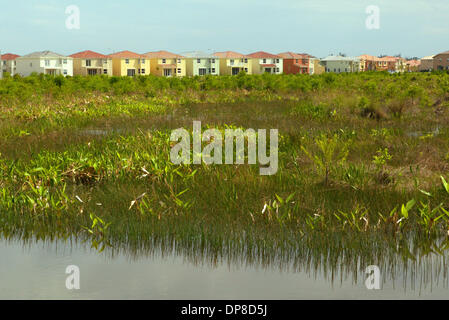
295	63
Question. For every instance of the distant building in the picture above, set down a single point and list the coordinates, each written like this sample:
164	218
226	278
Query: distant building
199	63
8	63
368	62
264	62
441	61
127	63
316	66
89	63
294	63
426	64
339	64
167	64
232	63
413	65
45	62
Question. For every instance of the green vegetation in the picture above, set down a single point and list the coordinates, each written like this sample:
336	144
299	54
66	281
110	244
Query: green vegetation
362	161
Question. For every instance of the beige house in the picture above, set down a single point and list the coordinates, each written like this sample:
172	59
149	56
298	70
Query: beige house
232	63
426	64
89	63
166	64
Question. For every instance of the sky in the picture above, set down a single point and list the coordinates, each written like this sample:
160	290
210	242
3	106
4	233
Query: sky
318	27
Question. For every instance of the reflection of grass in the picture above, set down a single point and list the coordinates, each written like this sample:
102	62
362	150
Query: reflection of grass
55	170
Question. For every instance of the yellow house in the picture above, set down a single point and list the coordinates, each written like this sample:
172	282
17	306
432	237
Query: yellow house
232	63
127	63
91	63
166	64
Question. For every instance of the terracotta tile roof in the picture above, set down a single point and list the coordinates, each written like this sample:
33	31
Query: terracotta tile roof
44	54
292	55
368	57
88	55
126	55
230	55
445	52
162	55
263	55
414	63
9	56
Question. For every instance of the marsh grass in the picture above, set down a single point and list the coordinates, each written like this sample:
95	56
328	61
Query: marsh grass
99	147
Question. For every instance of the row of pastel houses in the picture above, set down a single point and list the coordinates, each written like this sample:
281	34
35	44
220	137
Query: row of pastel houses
196	63
160	63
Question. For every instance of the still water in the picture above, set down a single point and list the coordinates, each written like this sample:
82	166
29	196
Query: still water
37	271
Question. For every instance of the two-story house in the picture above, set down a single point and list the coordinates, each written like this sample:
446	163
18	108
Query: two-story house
232	63
166	64
8	63
441	61
295	63
46	62
264	62
340	64
199	63
91	63
426	64
127	63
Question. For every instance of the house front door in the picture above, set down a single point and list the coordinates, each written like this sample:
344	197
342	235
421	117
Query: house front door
202	71
267	70
91	72
131	72
167	72
235	71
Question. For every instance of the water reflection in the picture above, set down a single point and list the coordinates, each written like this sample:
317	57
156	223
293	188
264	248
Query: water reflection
36	270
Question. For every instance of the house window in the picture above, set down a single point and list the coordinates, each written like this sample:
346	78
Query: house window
179	70
213	60
142	61
198	60
64	61
232	62
213	70
105	71
297	60
65	72
47	63
277	60
264	60
246	60
88	63
105	61
127	61
179	60
246	70
164	61
277	70
143	71
209	70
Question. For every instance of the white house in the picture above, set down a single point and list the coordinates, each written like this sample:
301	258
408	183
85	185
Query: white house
339	64
45	62
200	63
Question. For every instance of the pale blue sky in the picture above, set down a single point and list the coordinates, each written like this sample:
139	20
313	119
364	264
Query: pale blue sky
318	27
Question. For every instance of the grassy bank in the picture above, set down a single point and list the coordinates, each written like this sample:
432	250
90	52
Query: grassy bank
361	161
